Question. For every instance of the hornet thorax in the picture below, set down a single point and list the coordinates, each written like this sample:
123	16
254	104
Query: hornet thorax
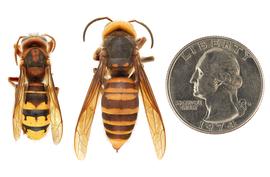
119	46
35	61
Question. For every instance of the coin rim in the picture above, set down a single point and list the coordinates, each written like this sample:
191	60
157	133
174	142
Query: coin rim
172	64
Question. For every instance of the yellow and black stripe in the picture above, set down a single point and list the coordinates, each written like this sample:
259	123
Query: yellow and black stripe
119	109
36	111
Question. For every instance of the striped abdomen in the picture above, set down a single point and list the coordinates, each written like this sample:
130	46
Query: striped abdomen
119	109
35	111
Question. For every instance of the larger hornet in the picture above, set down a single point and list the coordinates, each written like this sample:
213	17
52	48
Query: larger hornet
36	104
119	77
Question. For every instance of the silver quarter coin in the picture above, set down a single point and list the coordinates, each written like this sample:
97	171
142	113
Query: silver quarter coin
214	84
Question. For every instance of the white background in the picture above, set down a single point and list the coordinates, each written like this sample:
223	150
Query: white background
244	152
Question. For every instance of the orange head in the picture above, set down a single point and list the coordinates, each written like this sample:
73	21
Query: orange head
119	25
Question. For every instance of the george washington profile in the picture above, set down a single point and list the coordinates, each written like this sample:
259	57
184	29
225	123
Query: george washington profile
216	80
